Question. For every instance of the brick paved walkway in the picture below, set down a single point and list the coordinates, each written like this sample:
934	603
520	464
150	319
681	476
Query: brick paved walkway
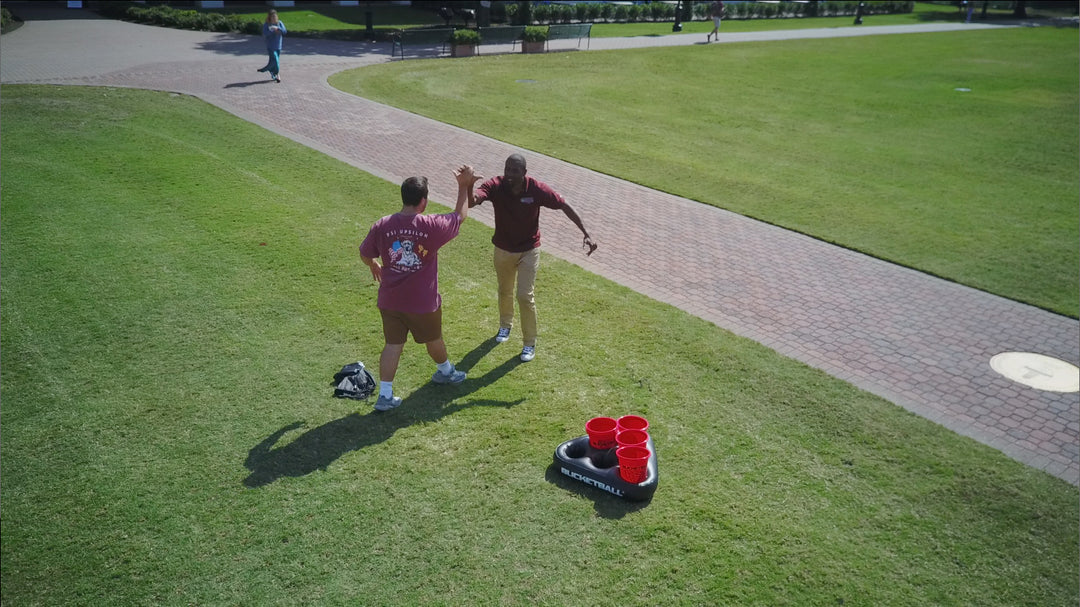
918	341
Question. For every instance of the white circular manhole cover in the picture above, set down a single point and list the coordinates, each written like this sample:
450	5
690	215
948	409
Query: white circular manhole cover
1038	371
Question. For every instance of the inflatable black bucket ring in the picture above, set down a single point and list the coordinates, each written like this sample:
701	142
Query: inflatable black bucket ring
599	468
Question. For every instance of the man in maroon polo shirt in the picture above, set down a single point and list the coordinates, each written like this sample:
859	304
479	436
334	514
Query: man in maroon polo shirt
517	199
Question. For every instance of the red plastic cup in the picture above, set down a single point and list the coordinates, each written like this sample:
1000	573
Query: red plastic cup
633	463
632	438
632	422
601	432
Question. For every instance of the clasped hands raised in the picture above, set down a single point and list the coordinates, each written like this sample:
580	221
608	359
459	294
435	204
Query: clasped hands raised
466	176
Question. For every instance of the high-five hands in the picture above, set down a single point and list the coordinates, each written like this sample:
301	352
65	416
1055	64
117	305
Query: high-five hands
466	177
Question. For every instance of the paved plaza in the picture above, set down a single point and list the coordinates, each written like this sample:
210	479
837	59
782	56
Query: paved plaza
921	342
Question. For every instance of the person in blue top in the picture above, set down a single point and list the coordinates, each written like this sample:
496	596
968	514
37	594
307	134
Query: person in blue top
273	32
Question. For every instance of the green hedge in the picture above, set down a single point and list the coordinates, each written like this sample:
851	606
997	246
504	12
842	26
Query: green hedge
167	16
662	11
794	10
540	13
594	12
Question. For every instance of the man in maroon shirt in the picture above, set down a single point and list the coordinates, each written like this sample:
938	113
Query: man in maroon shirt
517	200
408	244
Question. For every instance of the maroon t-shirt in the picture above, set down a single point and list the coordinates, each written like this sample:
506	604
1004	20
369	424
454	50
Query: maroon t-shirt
408	246
517	218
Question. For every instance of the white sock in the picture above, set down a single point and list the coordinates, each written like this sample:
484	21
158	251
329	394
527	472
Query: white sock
386	388
446	368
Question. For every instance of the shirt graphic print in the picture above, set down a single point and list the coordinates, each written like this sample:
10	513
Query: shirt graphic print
408	246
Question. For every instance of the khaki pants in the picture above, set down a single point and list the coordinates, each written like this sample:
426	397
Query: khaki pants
521	266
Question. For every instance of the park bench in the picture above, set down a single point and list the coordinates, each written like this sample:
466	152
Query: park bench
424	38
569	31
501	34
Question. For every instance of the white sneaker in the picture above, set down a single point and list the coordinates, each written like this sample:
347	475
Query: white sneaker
502	335
455	377
528	353
385	404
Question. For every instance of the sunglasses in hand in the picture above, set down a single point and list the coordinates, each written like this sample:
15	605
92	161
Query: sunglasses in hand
588	245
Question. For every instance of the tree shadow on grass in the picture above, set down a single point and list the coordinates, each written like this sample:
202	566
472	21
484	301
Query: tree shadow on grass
48	11
242	45
957	16
319	447
607	506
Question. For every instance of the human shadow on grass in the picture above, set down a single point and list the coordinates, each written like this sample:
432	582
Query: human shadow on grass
319	447
236	85
606	505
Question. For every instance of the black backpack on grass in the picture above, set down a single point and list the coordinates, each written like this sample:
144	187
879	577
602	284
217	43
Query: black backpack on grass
353	381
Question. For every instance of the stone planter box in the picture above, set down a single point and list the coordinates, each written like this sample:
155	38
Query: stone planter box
462	50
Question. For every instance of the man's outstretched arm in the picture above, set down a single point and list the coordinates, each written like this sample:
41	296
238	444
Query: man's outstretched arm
587	241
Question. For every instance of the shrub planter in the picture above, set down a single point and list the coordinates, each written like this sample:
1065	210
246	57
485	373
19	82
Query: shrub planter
532	47
462	50
463	43
534	39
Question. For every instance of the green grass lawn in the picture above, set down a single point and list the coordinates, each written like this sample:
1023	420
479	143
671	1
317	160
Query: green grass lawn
178	288
865	142
924	12
315	16
326	20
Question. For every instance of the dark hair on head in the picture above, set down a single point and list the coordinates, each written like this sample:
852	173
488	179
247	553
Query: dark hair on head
413	191
516	159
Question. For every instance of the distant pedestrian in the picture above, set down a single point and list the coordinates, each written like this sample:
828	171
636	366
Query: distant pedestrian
716	11
273	31
408	244
517	200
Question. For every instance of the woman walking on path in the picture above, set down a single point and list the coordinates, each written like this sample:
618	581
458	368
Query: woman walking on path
716	11
273	32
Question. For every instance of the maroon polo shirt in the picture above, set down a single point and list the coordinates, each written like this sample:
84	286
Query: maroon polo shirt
517	218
